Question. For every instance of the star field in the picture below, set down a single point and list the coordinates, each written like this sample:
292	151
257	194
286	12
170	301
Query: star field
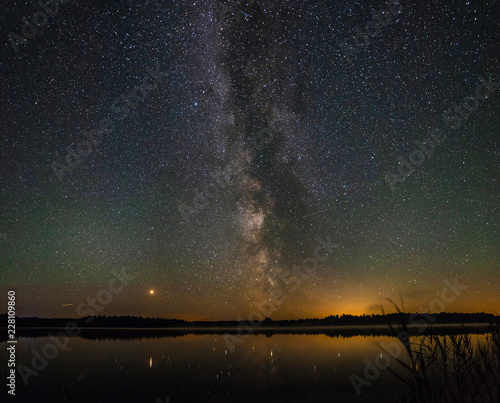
227	136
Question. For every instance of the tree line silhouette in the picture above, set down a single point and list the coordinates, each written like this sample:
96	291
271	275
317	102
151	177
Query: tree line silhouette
332	320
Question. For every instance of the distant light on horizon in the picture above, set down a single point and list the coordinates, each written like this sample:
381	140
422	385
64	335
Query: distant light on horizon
272	186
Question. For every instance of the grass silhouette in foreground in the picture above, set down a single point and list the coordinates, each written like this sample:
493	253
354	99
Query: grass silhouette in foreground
450	368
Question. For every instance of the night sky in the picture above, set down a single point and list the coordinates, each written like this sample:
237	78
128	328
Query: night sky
219	140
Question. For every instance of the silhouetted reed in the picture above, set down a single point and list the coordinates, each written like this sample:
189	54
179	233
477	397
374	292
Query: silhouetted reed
452	368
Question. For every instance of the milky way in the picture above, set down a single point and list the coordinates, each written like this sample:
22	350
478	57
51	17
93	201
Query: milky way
250	83
254	135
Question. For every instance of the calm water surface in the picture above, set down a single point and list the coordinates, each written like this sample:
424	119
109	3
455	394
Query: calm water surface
199	368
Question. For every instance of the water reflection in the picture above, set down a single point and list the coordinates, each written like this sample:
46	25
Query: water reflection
331	331
194	368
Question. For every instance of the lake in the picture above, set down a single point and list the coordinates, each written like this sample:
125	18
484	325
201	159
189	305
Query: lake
200	368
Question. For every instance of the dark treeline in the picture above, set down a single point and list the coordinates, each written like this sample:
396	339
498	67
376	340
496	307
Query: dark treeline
96	321
133	327
412	319
333	320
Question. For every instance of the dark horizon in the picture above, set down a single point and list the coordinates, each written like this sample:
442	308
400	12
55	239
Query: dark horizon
409	318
